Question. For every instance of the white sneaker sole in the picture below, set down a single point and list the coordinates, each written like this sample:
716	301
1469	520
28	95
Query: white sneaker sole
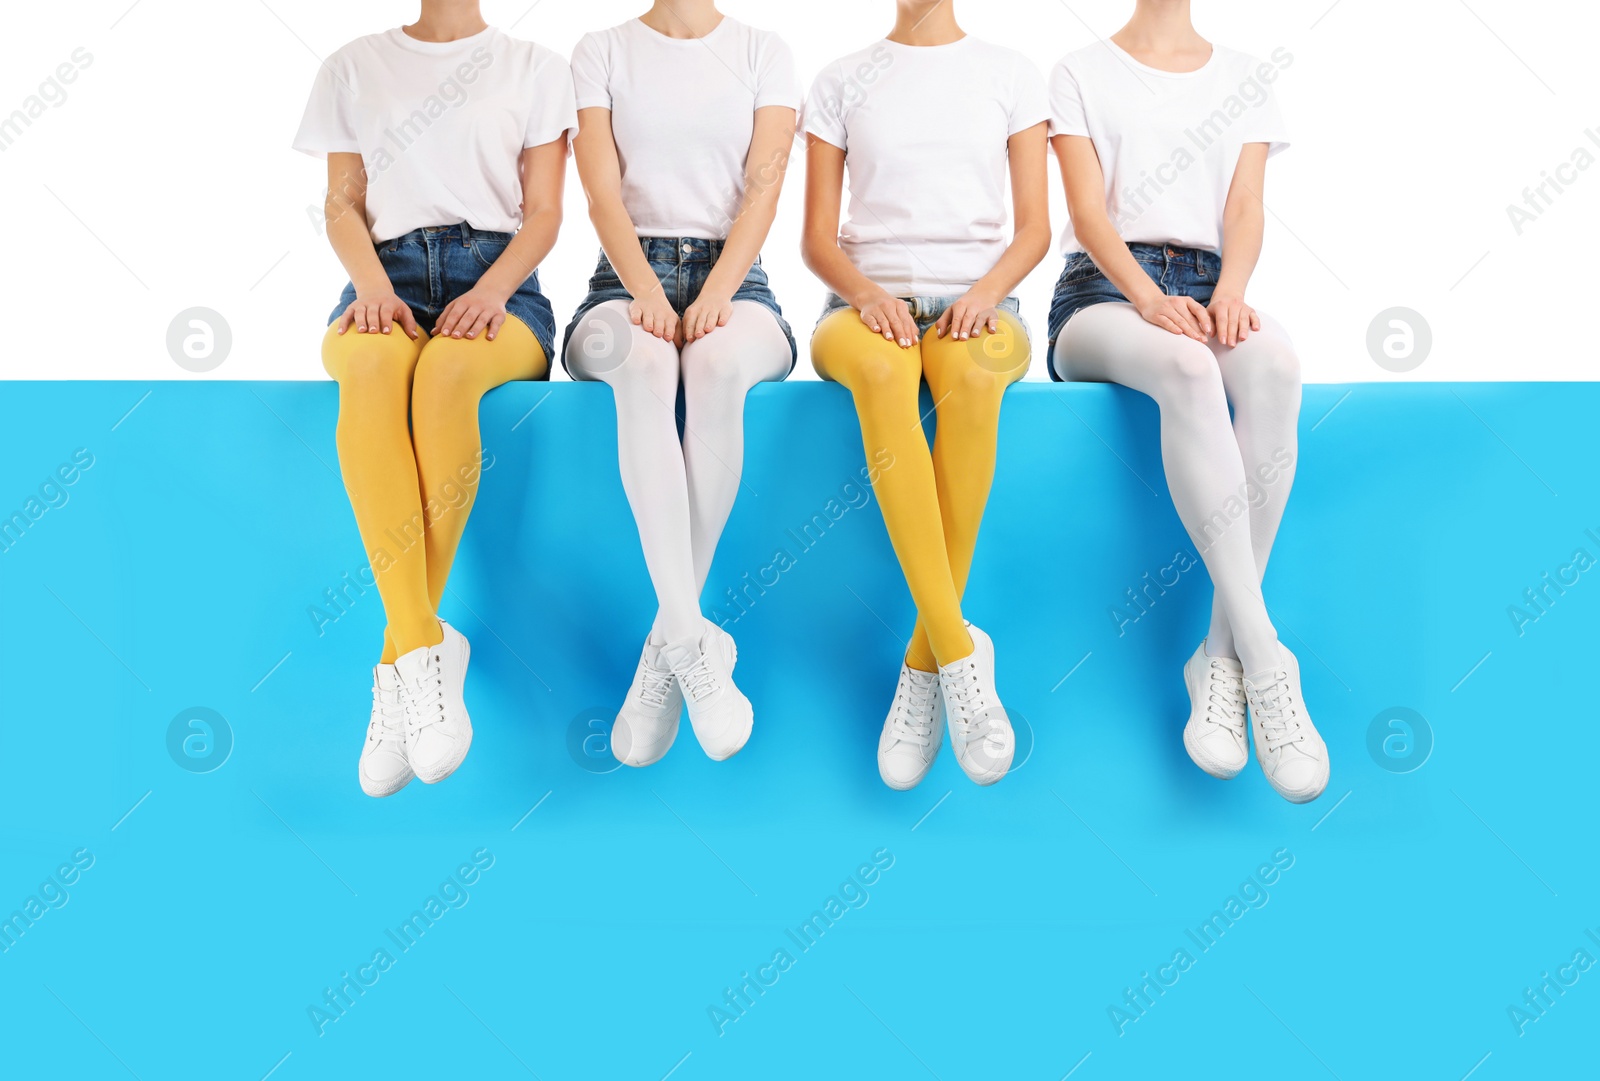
749	715
381	791
453	763
1309	794
1222	771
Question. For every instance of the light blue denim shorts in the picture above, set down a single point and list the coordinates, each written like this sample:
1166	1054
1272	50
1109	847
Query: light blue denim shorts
925	310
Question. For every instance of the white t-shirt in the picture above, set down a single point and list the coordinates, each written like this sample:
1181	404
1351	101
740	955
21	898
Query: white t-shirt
440	126
682	114
1168	141
924	132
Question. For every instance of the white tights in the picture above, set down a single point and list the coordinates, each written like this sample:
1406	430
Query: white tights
681	493
1220	475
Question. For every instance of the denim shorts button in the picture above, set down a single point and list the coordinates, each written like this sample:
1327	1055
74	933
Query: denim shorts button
688	249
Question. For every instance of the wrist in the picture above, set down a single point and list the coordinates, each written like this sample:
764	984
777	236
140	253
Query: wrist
374	287
984	297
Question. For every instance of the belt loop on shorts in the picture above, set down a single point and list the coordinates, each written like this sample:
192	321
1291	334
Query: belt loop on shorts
466	235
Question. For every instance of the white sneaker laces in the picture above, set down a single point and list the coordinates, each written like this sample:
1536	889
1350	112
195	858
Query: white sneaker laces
1224	698
699	682
1276	710
428	695
912	721
388	720
654	685
968	703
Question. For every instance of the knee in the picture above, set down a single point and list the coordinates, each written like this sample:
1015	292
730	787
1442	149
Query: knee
1187	370
652	364
370	362
1270	365
880	370
710	367
448	371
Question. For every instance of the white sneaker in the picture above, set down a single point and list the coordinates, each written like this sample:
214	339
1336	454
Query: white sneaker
438	731
1290	751
647	723
913	731
384	769
980	731
720	715
1214	736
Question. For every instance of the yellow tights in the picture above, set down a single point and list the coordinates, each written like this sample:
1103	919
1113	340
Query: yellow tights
932	503
411	455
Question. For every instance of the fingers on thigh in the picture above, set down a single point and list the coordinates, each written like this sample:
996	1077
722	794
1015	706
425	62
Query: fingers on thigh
987	362
609	348
452	367
847	351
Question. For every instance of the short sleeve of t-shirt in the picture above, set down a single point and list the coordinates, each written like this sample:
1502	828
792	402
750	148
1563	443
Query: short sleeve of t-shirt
1030	104
824	107
777	81
1067	116
328	126
1265	123
591	72
553	114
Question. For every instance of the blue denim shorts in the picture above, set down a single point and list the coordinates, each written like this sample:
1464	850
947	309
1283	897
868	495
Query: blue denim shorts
682	265
1187	272
430	267
925	310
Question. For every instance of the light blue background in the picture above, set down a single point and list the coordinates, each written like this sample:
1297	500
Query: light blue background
1418	908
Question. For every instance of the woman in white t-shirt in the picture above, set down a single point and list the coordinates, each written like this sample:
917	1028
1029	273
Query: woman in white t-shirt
926	123
446	143
686	119
1163	141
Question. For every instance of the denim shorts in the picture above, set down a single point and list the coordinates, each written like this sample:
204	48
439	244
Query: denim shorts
682	265
1187	272
924	310
430	267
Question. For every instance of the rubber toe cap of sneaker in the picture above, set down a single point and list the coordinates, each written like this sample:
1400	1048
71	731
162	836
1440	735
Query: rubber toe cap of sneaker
639	743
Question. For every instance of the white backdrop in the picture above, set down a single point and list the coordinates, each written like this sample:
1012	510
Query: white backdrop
159	178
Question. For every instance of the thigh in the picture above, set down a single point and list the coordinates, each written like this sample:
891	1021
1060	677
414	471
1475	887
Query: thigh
1112	343
983	363
471	367
604	345
847	351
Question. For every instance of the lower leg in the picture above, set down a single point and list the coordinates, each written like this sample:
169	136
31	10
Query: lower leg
643	371
718	372
884	380
452	377
1205	474
1262	378
379	467
967	380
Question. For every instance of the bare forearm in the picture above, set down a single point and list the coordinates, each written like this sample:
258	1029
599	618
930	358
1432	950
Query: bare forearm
352	243
833	268
1112	255
1026	249
1241	249
621	245
525	252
